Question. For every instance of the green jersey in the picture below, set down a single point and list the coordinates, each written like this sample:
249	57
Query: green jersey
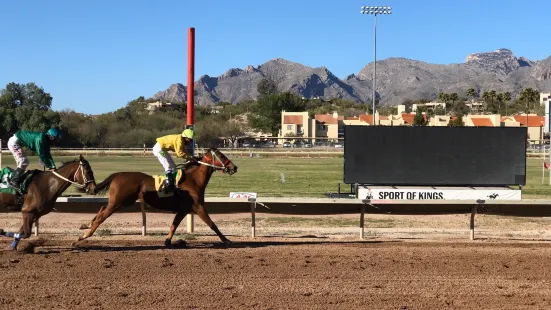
39	143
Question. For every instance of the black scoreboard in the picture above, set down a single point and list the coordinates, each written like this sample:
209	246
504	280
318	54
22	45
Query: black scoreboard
444	156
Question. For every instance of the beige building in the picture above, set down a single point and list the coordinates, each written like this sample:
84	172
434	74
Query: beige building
330	127
535	125
152	106
440	120
476	106
295	124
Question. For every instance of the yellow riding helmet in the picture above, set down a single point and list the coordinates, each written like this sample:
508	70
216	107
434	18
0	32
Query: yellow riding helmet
188	133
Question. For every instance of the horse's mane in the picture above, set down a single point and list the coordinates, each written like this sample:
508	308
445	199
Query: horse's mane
63	164
66	163
207	151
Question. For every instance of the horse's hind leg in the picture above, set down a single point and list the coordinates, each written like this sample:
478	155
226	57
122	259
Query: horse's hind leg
100	218
84	226
175	223
202	213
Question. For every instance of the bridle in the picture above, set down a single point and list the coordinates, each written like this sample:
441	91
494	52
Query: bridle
213	165
81	169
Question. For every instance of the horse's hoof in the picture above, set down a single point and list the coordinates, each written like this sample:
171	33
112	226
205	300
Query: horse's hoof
76	243
2	233
168	243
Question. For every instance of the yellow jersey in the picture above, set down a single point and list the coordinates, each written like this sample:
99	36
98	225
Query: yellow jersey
174	143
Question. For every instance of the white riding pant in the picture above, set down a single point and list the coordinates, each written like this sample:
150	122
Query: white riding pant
164	158
15	148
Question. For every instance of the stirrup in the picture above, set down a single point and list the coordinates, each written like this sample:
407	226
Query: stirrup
169	189
20	200
17	188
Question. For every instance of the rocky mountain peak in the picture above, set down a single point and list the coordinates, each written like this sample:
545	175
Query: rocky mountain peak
501	61
398	79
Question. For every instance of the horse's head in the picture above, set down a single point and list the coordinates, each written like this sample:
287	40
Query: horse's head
218	160
86	176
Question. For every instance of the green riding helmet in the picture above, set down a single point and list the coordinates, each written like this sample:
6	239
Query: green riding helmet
54	133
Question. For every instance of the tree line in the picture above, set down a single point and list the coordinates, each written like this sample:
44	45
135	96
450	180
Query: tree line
28	107
491	102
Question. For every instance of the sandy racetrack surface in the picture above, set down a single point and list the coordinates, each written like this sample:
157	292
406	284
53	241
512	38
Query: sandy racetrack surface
278	273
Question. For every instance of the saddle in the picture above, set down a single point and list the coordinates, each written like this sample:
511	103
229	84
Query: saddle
7	173
160	183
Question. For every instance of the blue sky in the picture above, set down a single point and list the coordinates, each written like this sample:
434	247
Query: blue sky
95	56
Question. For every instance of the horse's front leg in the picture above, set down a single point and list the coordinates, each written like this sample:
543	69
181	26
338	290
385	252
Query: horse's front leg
175	223
24	231
199	209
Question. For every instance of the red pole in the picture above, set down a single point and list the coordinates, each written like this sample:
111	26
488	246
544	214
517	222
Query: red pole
191	80
190	75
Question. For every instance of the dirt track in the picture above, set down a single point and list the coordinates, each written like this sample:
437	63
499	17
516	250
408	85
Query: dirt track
278	273
297	262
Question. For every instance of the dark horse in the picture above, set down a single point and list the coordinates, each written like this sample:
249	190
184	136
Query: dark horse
125	188
10	202
44	189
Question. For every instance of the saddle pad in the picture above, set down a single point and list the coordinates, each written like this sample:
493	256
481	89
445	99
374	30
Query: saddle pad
7	173
160	179
5	176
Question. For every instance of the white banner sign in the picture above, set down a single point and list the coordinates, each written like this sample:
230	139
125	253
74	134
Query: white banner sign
242	195
438	194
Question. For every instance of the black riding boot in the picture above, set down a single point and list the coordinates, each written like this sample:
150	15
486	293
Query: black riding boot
169	182
17	178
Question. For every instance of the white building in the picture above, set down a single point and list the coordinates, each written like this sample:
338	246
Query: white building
429	105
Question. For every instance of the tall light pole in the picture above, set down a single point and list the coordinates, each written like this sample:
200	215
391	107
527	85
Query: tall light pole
375	10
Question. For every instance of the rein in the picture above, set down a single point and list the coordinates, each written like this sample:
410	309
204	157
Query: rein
214	156
212	165
74	177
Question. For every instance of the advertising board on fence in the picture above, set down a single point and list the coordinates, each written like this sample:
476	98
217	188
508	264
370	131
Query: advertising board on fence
242	195
365	192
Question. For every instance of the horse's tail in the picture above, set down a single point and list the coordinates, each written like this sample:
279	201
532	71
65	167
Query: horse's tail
105	184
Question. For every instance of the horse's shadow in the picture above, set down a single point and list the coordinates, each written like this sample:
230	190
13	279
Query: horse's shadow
195	245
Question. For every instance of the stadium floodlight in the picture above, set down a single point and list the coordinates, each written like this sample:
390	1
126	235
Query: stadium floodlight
375	10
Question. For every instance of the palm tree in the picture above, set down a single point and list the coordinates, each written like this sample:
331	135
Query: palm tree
486	98
506	98
493	94
499	98
453	97
443	97
471	92
528	95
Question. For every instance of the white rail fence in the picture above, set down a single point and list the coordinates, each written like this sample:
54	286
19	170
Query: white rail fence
326	206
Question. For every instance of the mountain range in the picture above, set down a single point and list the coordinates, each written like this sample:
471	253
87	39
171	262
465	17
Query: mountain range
398	79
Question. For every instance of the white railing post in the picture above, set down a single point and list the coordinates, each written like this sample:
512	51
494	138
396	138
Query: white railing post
252	202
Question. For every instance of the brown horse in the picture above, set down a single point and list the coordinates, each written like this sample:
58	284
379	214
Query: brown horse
44	189
125	188
10	202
